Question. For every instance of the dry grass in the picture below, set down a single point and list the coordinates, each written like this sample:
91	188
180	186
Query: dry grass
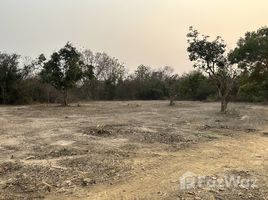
62	152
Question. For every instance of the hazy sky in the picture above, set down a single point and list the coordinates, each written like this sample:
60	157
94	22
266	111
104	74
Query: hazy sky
150	32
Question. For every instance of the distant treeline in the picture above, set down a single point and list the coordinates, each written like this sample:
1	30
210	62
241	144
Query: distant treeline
84	75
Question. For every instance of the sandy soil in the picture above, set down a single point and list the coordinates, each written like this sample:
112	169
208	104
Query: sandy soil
131	150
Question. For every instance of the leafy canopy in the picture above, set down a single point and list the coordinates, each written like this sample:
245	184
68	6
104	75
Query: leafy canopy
65	68
252	50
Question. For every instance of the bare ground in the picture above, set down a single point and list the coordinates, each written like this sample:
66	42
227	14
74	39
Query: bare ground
131	150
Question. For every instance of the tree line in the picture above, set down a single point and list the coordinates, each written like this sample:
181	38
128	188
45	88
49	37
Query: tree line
70	74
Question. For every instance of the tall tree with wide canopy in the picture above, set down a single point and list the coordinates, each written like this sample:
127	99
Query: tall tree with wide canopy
211	58
251	55
64	70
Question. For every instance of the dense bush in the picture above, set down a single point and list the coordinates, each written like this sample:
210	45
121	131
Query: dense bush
196	86
151	85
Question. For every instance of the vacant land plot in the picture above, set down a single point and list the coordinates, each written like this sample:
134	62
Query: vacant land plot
131	150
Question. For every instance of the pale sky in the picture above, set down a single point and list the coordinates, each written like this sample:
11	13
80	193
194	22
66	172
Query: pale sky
150	32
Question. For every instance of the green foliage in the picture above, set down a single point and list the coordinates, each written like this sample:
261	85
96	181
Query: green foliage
251	92
9	74
210	57
65	69
250	89
251	56
252	50
207	55
196	86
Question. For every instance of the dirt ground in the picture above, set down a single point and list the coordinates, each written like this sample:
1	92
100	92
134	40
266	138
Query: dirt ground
131	150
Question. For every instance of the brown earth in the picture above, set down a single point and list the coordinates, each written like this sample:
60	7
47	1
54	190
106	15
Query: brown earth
131	150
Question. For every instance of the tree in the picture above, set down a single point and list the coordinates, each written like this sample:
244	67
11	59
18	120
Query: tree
172	84
63	70
211	58
9	73
150	84
143	73
108	72
251	55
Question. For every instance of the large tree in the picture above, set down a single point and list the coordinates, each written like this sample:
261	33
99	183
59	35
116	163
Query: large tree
210	57
64	70
252	50
251	55
9	73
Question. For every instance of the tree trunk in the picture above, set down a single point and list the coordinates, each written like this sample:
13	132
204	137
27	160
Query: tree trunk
224	104
65	97
171	103
224	96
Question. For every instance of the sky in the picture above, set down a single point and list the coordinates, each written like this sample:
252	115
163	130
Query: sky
149	32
